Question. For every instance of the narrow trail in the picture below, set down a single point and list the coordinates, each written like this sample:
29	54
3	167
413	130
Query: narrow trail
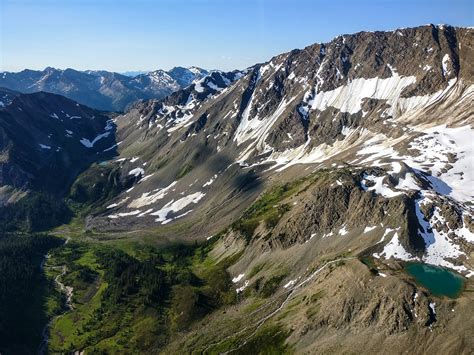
291	292
42	349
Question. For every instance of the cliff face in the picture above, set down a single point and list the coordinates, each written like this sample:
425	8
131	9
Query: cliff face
317	174
393	108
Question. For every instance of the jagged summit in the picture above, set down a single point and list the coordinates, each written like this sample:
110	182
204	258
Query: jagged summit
368	99
312	181
102	89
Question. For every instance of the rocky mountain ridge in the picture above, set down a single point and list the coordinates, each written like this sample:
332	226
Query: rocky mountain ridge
315	178
101	89
337	102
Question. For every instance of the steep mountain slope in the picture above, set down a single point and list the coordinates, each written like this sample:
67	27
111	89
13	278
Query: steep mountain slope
309	182
364	148
357	102
101	89
45	133
46	140
6	96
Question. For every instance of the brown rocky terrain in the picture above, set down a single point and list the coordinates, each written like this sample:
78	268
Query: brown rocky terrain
317	177
369	137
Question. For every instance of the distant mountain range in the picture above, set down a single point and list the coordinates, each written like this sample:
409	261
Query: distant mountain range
102	90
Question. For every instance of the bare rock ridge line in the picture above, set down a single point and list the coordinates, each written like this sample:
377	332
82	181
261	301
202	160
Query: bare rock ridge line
102	90
361	101
308	185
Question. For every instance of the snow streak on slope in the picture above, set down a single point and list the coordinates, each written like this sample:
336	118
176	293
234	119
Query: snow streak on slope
258	129
332	105
348	98
458	181
175	206
443	154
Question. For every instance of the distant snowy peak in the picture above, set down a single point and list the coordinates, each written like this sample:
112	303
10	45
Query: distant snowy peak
216	81
186	76
102	89
176	110
176	78
159	78
198	71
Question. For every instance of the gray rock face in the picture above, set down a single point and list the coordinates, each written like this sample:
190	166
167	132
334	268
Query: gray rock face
101	89
399	100
364	100
318	173
47	139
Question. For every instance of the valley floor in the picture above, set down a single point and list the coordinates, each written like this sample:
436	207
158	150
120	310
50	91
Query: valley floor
135	297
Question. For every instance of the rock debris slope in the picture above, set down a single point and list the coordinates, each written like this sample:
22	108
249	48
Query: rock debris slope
393	108
315	176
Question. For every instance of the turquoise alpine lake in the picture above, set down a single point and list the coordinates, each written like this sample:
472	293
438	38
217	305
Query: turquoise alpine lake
438	280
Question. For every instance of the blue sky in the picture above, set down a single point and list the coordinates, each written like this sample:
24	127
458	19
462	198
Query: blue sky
122	35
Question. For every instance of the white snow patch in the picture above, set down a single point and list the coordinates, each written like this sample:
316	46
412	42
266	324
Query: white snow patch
290	283
439	246
343	230
348	98
379	187
178	205
394	249
145	213
149	198
136	172
213	86
124	214
368	229
241	289
446	62
198	86
238	278
89	144
408	183
210	181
